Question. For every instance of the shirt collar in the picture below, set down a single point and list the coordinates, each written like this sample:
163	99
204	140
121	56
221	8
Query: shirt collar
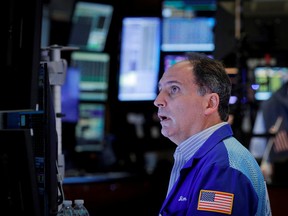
189	147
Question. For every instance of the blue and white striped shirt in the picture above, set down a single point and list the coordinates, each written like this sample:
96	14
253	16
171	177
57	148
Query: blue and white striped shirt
187	149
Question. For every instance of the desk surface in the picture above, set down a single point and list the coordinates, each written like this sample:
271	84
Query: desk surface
97	177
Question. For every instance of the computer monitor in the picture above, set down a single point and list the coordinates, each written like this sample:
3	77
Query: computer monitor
188	26
268	80
93	77
70	95
90	25
90	128
139	59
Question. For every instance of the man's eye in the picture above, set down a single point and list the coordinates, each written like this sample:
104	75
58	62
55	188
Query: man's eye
174	89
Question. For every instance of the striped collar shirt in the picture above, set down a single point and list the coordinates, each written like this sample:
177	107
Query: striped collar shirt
187	149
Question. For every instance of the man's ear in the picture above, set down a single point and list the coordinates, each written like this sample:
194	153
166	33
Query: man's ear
212	103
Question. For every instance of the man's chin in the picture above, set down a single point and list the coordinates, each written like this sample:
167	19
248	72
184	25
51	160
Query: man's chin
165	133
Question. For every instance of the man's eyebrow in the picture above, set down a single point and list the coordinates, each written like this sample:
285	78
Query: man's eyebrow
160	85
169	83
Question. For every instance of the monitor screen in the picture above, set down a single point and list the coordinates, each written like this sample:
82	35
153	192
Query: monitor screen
90	129
268	80
139	59
70	95
188	26
90	25
93	69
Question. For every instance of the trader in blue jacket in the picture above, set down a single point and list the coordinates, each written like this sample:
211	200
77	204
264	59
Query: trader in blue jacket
213	173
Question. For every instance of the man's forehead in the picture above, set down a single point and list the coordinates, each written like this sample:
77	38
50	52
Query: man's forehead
182	69
175	75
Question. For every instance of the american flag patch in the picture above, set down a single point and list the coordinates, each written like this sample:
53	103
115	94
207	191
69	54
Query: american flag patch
215	201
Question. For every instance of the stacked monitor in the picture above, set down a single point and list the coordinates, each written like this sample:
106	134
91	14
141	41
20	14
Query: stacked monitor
149	45
84	95
188	26
85	90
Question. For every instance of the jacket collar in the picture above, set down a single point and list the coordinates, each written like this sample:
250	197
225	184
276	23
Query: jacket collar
222	133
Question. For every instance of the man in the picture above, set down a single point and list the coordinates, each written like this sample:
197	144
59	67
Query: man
272	151
213	174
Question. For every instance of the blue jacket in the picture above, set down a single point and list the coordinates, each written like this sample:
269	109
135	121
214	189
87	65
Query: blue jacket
222	178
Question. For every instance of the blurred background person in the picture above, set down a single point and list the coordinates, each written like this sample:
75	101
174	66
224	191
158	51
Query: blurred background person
270	142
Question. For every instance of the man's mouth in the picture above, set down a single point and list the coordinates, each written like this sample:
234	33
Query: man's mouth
162	117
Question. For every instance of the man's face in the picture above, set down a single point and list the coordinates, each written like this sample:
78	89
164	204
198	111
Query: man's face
180	107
